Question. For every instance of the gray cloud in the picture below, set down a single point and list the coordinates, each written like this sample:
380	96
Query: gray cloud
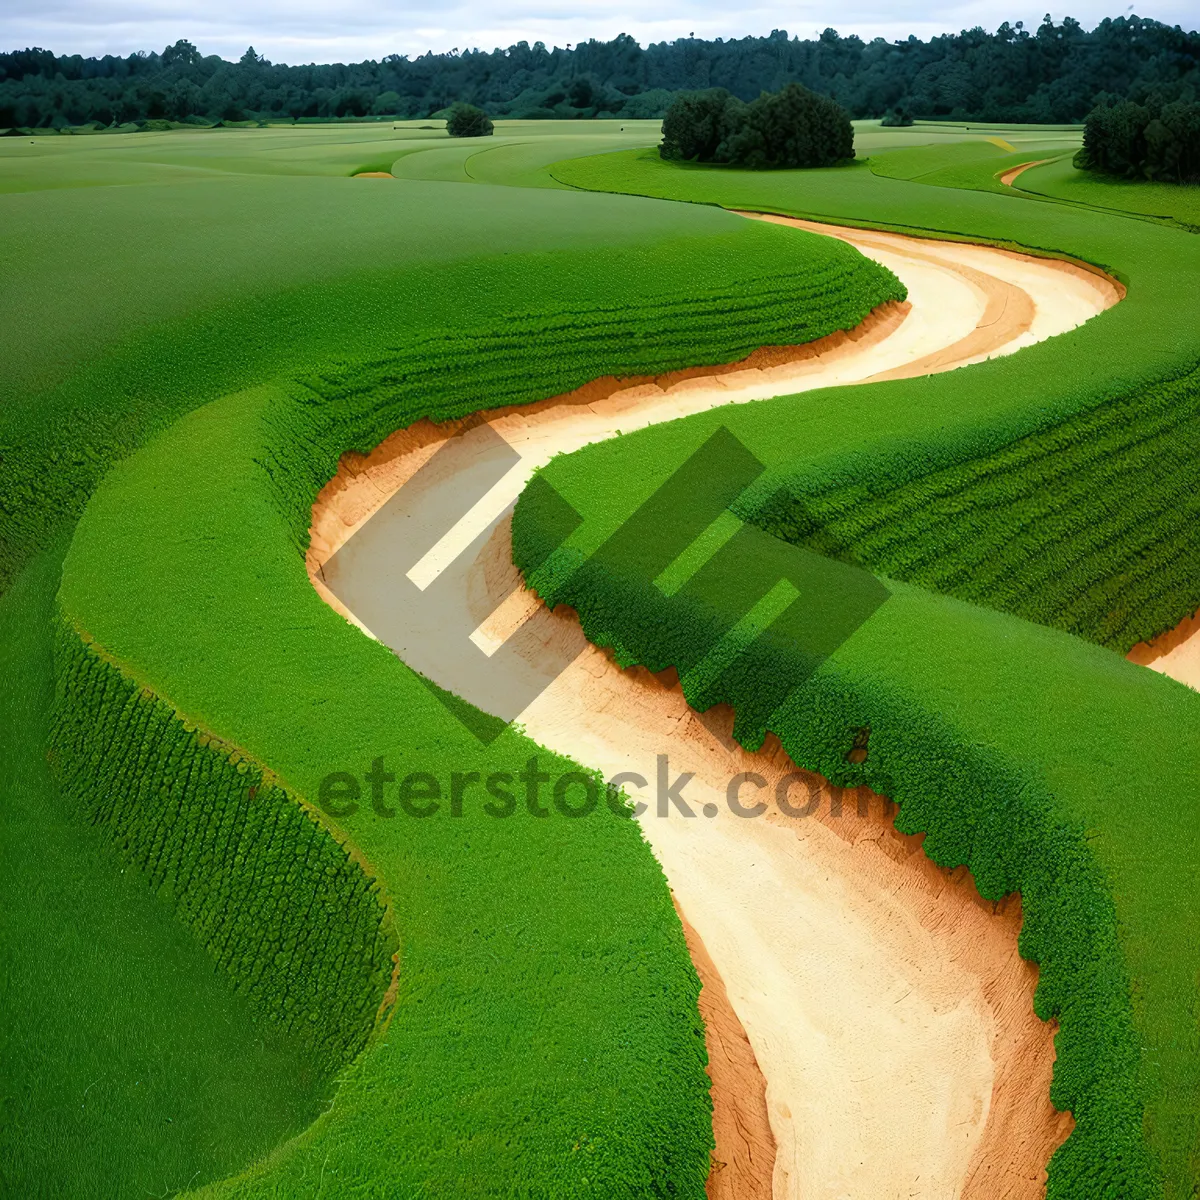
307	31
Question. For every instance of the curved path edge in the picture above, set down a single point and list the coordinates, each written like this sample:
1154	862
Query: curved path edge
992	302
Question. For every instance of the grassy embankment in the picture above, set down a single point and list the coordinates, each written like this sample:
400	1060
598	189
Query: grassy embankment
130	1067
1056	485
978	166
1061	180
577	1065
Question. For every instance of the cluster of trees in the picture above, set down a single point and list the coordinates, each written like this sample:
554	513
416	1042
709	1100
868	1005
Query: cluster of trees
1156	140
1050	74
793	127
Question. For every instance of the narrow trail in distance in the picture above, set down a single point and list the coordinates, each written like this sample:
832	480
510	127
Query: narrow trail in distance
1009	178
890	1041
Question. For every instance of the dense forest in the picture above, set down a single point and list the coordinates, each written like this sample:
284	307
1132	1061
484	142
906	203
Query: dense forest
1156	140
1055	73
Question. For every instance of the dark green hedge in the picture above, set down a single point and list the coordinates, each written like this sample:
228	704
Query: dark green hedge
278	903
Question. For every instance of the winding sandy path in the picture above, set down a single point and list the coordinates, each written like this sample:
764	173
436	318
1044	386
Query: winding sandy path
1009	178
883	1002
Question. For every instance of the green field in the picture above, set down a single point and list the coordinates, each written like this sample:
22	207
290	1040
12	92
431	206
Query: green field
1063	181
564	1070
102	1096
197	324
1070	506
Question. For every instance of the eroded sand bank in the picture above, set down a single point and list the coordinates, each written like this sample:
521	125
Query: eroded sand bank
1175	652
882	1001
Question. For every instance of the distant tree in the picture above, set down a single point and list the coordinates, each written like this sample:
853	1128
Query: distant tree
184	100
789	128
1054	73
183	53
128	110
653	103
465	120
386	104
352	102
897	115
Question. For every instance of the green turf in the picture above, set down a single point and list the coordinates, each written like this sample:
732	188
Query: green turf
74	396
1056	483
577	1067
52	162
973	165
546	1033
977	165
129	1066
227	629
1063	181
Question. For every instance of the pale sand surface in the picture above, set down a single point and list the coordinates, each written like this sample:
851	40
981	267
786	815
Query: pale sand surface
744	1159
883	1001
1175	653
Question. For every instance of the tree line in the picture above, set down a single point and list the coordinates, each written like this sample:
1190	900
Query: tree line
1157	140
1051	74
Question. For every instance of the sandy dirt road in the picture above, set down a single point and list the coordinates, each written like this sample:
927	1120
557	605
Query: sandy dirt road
1176	652
887	1014
1009	178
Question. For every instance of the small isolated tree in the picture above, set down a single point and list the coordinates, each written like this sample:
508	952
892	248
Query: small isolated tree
465	120
897	115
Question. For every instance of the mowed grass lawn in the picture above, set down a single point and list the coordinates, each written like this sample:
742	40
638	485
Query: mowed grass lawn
1063	181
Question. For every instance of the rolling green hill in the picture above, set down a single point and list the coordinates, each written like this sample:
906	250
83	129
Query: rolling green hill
543	1033
1055	485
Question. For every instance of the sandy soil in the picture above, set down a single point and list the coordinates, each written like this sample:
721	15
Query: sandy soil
374	175
744	1159
1009	176
882	1001
1175	652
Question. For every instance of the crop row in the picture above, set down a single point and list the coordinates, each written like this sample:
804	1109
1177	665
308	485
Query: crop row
278	904
546	1037
608	1040
449	375
787	293
1088	525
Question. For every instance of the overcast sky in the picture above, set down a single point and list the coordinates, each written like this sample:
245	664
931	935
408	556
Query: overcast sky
298	31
